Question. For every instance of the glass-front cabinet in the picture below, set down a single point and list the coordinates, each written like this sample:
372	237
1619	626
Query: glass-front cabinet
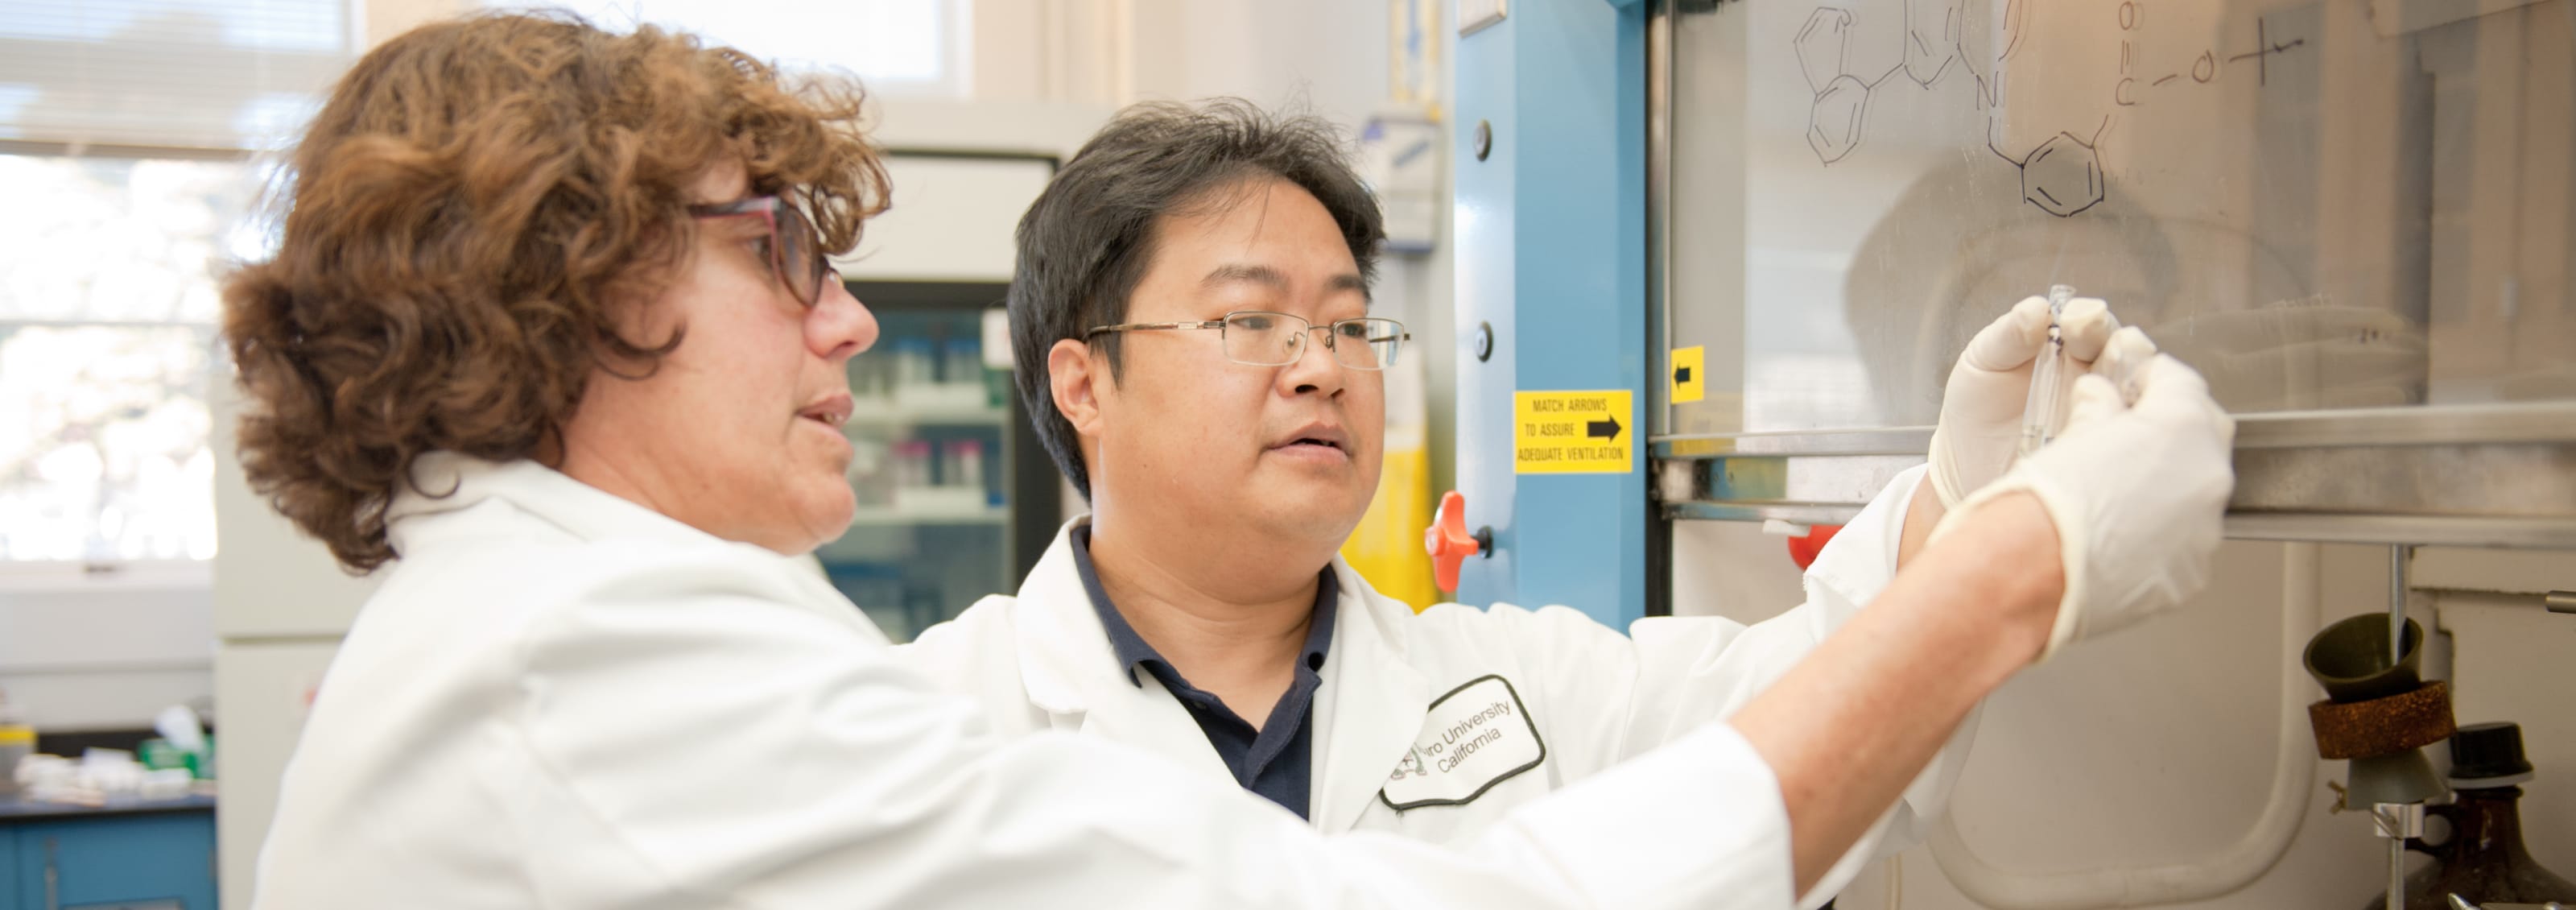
955	499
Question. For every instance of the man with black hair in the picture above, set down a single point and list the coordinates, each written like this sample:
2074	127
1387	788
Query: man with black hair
1191	320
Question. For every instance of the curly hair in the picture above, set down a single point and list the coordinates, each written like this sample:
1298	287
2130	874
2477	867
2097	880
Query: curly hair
467	213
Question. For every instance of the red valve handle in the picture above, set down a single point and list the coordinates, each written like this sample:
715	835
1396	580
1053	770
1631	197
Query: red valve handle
1448	540
1803	550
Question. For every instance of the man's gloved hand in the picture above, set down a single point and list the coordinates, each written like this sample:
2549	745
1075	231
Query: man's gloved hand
1981	407
2136	491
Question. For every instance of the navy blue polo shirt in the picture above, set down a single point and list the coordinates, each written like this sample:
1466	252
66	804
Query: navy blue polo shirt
1276	761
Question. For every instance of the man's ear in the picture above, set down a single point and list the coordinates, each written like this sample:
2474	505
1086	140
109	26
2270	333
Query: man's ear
1075	383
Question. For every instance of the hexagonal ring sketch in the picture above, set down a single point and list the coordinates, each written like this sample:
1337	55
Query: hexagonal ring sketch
1834	124
1931	37
1823	44
2063	176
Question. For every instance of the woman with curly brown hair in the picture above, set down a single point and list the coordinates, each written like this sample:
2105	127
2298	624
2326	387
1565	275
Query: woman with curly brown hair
551	346
484	220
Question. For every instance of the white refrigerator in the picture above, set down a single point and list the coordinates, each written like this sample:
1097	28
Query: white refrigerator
281	607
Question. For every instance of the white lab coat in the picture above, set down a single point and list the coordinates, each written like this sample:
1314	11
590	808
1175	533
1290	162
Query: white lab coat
560	699
1041	661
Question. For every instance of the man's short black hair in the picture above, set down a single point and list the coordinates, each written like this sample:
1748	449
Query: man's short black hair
1087	241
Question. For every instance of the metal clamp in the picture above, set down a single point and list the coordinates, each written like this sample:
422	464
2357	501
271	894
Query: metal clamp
2398	820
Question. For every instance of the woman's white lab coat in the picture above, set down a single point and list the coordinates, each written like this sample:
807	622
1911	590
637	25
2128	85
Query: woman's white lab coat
561	699
1403	693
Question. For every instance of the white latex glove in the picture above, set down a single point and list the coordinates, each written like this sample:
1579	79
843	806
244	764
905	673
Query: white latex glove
2136	492
1981	407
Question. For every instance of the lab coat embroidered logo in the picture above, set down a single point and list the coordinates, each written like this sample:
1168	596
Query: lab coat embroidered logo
1476	736
1411	766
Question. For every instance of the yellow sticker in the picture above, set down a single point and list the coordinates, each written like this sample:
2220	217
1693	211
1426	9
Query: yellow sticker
1690	373
1574	432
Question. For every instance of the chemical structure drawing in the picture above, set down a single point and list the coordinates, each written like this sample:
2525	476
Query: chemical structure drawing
2203	70
2063	175
1842	99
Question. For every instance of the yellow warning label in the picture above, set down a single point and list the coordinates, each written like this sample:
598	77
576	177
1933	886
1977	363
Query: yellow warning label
1690	373
1573	432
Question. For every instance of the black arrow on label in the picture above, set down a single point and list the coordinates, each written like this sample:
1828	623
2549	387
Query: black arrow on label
1681	375
1602	429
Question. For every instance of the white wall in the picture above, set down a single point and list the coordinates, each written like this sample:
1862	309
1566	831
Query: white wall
951	220
88	652
1332	53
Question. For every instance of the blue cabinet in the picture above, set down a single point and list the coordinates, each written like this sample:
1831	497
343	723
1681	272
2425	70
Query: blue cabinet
8	867
154	861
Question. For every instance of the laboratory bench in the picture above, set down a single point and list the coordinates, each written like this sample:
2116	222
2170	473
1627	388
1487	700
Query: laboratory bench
130	854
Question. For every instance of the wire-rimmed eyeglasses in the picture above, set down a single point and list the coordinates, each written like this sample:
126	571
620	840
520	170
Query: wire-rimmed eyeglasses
1265	339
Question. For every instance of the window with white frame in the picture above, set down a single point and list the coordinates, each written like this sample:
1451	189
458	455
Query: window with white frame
895	47
107	333
126	133
200	74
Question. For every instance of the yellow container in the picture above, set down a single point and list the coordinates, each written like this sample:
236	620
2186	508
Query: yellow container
17	741
1387	548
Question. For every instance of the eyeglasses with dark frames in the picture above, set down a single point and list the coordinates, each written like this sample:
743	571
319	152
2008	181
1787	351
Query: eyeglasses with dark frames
794	247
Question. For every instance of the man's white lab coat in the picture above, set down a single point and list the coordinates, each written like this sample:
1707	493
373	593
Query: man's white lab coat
1403	694
561	699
